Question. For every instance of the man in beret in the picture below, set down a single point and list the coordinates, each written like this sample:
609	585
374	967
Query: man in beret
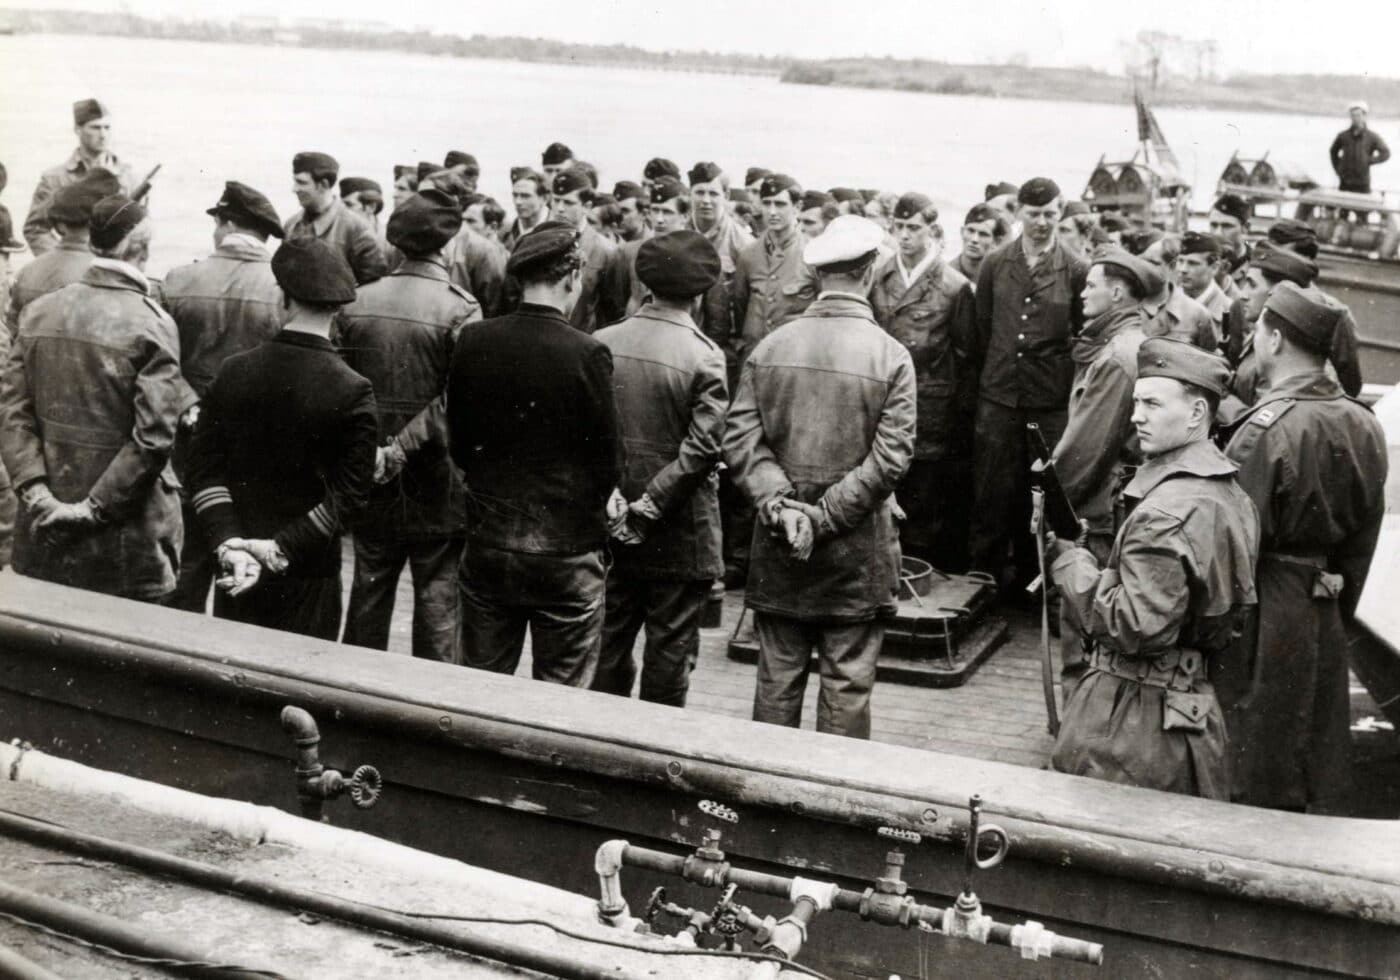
364	197
984	229
69	214
1196	269
323	216
227	304
1356	150
1167	310
464	165
815	211
1229	222
556	158
820	432
1314	463
283	456
475	263
92	124
533	428
669	380
1163	608
929	308
400	333
601	298
529	191
1029	307
89	402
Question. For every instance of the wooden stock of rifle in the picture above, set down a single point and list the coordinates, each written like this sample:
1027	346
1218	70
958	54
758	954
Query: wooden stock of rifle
1059	512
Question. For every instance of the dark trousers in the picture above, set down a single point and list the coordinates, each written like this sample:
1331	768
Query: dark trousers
197	565
846	657
671	612
736	519
1001	460
309	606
9	512
560	597
433	564
937	507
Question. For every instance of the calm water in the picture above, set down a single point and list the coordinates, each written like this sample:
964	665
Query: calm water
214	112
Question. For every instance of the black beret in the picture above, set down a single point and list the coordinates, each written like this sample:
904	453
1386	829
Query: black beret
625	190
704	172
816	199
555	154
1074	208
1233	205
73	203
775	184
86	110
911	204
1310	317
567	181
1038	192
353	185
1200	243
1284	264
248	208
7	232
309	270
424	223
310	160
461	158
551	241
113	218
679	264
755	174
660	167
1166	357
1290	231
664	189
999	189
846	194
740	195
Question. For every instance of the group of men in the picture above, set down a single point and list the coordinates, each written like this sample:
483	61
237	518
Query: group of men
577	422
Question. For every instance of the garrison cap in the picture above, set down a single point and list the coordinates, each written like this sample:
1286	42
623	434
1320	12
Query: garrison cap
1311	317
1112	221
775	184
1290	231
570	180
847	238
740	195
979	213
1283	264
311	271
72	204
424	223
1139	240
1233	205
679	264
309	161
529	173
629	190
405	170
845	195
664	189
1076	208
1123	262
1038	192
1165	357
1200	243
113	218
999	189
551	241
555	154
704	172
461	158
86	110
868	194
247	207
354	185
7	232
658	167
912	204
816	199
754	174
426	168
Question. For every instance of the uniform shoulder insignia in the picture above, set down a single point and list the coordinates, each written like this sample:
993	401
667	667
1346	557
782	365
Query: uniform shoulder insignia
1272	412
461	292
707	341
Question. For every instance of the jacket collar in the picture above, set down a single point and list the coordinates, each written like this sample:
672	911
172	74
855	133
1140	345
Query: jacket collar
1310	386
113	274
78	164
833	303
1193	459
1098	332
423	268
300	338
244	248
789	240
650	311
541	312
323	221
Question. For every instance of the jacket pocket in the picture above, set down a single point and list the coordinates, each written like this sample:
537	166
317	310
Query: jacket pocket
1185	712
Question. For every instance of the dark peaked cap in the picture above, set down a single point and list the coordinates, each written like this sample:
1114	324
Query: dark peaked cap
247	207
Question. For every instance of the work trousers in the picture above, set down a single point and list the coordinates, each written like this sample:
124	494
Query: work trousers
937	507
379	560
309	606
560	598
1001	489
670	612
197	564
736	520
846	657
9	512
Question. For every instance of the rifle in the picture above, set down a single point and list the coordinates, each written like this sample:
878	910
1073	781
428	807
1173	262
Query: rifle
1059	512
144	188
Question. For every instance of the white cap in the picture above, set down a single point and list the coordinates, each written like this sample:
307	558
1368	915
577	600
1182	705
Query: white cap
1360	104
846	239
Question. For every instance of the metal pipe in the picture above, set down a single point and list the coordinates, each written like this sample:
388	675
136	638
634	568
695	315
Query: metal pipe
106	930
271	892
16	967
298	723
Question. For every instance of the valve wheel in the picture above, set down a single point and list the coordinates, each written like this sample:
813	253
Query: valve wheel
366	787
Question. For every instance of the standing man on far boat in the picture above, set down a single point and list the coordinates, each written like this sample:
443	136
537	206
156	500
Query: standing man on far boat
1356	150
325	217
92	123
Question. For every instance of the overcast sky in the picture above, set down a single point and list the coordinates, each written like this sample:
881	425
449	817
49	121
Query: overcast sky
1337	36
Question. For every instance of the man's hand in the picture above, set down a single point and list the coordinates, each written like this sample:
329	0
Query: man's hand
821	524
896	511
191	417
389	461
239	570
797	531
39	500
62	520
266	551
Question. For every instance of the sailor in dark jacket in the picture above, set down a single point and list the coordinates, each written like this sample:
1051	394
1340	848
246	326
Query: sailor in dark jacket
1356	150
532	425
399	333
283	455
669	380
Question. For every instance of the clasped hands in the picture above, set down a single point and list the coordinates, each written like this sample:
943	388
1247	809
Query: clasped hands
242	560
628	523
797	523
54	520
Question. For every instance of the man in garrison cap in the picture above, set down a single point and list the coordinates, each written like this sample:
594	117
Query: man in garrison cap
532	425
815	211
1229	222
819	434
984	229
100	508
1167	310
709	213
556	158
1356	150
464	165
283	456
400	333
1196	268
1268	268
656	168
1161	611
92	124
1029	307
325	217
224	305
1314	462
364	197
602	294
69	213
669	380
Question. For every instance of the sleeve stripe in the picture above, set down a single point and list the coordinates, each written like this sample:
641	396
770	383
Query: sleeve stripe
321	517
211	497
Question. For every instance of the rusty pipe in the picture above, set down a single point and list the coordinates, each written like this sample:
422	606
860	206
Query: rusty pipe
298	723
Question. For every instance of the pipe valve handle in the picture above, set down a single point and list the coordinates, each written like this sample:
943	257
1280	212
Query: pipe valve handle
366	787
